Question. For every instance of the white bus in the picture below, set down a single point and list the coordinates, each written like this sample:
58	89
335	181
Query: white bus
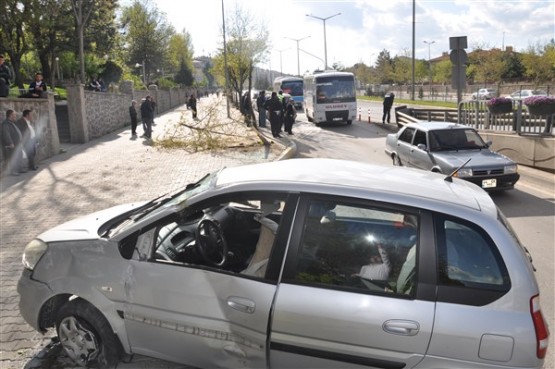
292	86
330	97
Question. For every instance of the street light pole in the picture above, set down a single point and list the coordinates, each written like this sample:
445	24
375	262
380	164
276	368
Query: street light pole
298	59
281	61
429	43
325	41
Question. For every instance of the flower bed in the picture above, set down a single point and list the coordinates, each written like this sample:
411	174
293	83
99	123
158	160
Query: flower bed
540	105
499	105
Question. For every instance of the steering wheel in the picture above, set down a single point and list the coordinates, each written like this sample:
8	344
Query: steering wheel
211	243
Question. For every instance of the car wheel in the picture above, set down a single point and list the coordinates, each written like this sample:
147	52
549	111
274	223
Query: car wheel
86	335
349	122
396	161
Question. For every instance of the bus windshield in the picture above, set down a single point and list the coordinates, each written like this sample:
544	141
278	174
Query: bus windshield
335	89
293	88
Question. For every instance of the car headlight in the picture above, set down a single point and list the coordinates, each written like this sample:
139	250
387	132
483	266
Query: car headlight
513	168
32	253
464	172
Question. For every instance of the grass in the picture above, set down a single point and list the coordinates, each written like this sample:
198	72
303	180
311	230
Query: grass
437	104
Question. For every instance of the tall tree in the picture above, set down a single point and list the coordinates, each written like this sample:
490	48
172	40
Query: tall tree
180	50
247	45
384	67
82	12
539	62
148	35
13	38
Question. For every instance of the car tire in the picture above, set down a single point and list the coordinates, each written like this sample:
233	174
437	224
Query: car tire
396	160
86	335
349	122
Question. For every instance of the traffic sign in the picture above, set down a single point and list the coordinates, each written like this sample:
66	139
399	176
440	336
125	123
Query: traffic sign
458	57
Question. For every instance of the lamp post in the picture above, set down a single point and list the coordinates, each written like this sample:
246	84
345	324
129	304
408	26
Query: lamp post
281	61
325	42
298	60
429	43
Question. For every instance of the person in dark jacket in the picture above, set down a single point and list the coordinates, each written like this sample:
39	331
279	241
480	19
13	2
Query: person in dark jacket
274	106
5	78
133	116
290	116
11	144
387	104
37	88
147	116
260	100
193	105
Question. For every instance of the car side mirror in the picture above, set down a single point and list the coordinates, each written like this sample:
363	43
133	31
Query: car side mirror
489	143
422	147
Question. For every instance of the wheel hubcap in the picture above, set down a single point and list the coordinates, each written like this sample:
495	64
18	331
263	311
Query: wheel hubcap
79	342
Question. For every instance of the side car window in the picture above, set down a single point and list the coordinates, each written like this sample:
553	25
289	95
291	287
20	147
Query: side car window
469	258
407	135
233	234
358	248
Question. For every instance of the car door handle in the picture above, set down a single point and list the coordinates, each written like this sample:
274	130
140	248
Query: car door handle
401	327
241	304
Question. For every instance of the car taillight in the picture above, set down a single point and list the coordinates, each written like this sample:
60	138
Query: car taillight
542	332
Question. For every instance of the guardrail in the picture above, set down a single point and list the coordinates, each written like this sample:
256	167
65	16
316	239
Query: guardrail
475	113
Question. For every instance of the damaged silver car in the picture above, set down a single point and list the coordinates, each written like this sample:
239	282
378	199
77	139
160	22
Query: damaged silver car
300	263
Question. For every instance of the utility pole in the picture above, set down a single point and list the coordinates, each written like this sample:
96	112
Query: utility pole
325	41
429	43
298	60
225	65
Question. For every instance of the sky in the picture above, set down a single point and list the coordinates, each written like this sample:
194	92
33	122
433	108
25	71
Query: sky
365	27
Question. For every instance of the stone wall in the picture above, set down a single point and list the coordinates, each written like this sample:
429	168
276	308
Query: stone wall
95	114
106	112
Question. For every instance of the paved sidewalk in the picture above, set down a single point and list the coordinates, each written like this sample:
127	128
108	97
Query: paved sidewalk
112	170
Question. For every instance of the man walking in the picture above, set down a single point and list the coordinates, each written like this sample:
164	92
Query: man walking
133	116
147	116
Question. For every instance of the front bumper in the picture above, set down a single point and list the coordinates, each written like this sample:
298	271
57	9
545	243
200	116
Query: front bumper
32	296
504	181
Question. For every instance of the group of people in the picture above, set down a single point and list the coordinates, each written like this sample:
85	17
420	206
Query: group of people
19	142
37	88
148	109
281	112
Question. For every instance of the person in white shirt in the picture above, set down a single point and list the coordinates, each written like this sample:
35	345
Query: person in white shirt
379	267
29	137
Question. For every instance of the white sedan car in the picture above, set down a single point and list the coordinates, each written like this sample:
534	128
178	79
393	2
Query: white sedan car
303	263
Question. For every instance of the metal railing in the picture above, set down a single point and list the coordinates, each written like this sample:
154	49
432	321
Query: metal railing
476	114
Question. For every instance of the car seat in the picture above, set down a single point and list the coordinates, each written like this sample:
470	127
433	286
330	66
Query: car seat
268	230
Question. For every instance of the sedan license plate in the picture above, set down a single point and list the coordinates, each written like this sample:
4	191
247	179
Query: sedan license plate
489	183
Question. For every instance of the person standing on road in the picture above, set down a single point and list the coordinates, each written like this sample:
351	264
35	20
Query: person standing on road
147	115
387	104
11	144
193	105
290	116
29	138
133	115
260	100
273	105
